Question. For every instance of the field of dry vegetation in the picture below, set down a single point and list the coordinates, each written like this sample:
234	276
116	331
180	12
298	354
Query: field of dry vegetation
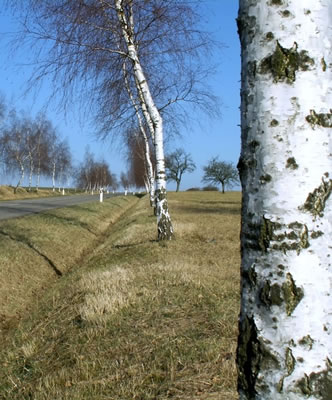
7	193
92	307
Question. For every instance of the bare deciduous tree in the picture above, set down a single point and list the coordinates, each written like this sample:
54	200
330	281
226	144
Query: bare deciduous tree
220	173
89	43
177	163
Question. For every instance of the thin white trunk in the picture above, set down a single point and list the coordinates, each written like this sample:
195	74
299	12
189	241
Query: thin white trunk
165	228
31	163
147	158
21	164
285	346
53	175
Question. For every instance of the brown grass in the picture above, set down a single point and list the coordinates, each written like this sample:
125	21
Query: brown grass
138	319
7	193
36	249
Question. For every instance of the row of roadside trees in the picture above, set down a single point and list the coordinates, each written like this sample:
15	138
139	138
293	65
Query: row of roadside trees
33	148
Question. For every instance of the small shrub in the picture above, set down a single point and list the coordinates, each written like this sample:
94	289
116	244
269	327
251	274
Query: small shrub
210	188
194	189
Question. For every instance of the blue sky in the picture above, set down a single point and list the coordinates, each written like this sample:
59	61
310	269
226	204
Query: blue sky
209	138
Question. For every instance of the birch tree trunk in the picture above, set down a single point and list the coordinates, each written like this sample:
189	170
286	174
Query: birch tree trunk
165	228
285	340
21	164
53	175
147	158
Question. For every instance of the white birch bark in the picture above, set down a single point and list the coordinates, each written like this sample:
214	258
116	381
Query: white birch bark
147	158
21	164
285	341
165	228
53	175
31	169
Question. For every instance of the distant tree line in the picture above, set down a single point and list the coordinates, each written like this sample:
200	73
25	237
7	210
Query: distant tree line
92	175
33	148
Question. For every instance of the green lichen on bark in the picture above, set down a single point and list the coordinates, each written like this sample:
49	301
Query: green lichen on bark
315	202
276	2
306	341
323	64
292	294
317	384
284	63
290	361
303	385
321	119
304	239
265	234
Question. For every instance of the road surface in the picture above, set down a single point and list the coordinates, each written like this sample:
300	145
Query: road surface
18	208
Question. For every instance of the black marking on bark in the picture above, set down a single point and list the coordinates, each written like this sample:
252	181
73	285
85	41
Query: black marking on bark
284	63
165	228
315	202
246	26
276	2
285	13
265	179
322	119
291	163
271	294
292	294
248	357
269	36
32	247
274	123
254	144
250	275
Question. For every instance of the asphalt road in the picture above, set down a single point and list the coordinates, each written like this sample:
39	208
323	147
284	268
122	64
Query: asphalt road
18	208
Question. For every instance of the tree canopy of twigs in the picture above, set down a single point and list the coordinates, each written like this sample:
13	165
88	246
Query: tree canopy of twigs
177	163
220	173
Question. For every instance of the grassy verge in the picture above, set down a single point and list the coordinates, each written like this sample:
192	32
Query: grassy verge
36	250
7	193
137	319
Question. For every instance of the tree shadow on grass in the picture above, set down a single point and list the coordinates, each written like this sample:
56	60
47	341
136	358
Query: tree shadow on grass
210	210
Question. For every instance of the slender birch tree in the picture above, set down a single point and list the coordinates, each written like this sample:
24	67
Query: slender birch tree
84	46
285	346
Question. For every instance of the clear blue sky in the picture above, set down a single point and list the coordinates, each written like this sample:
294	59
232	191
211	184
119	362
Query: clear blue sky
210	138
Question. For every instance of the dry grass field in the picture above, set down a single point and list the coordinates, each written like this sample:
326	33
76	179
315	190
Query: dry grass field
129	318
7	193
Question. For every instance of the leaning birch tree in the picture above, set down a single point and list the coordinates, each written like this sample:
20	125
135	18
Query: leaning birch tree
83	46
285	346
